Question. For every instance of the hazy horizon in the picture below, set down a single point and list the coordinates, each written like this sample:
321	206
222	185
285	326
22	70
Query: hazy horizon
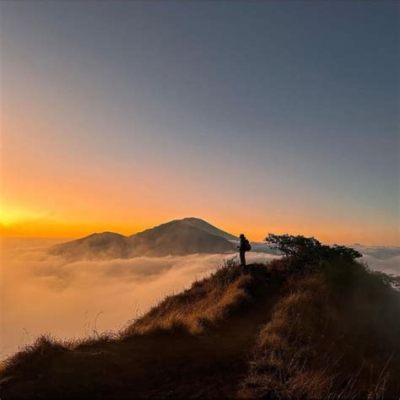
51	239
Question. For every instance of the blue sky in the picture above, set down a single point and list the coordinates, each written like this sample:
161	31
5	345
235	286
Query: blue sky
258	112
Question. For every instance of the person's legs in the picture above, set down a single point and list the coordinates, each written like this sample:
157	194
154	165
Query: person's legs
242	259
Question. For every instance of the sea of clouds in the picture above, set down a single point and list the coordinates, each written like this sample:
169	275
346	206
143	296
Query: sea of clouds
46	294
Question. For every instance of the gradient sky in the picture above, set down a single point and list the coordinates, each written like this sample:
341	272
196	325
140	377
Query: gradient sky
257	116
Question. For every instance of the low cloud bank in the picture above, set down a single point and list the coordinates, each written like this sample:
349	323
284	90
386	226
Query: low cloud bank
46	294
383	259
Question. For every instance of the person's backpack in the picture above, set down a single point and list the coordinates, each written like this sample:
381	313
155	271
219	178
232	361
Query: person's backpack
247	245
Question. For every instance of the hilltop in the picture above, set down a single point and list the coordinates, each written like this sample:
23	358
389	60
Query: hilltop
300	327
178	237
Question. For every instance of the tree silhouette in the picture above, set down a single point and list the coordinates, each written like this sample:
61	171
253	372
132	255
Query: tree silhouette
309	249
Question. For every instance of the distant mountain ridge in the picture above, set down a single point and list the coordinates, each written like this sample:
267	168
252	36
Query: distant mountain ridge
178	237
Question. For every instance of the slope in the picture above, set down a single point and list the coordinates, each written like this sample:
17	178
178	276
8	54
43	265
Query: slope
275	331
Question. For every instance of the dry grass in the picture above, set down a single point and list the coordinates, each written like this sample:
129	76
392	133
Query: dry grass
265	332
322	342
170	352
205	304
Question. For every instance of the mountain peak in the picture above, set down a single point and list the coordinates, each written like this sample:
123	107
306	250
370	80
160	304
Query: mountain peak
207	227
104	234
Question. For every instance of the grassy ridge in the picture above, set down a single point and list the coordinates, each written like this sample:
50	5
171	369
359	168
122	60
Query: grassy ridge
322	342
270	331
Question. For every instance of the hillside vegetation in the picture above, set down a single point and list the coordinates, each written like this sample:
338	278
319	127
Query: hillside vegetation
314	324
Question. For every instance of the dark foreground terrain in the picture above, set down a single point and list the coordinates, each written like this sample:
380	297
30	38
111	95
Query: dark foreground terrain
276	331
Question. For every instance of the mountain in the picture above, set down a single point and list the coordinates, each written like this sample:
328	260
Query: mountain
181	237
178	237
277	331
98	245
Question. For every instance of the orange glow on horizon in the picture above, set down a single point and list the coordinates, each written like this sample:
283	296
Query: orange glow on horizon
29	224
74	162
52	195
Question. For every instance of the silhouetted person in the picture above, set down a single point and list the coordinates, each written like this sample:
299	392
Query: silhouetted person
244	245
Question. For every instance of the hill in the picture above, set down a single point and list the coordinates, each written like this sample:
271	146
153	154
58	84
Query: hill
295	328
178	237
103	245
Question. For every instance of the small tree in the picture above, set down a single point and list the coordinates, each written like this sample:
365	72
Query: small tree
293	245
308	250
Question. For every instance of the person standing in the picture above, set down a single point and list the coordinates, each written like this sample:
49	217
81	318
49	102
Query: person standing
244	245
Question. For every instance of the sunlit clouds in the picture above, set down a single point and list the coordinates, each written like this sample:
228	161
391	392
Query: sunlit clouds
42	293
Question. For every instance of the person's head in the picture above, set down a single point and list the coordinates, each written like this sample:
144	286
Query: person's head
241	236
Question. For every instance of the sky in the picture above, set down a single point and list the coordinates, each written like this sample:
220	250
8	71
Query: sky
258	116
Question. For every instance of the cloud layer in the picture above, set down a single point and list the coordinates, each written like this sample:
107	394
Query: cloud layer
46	294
